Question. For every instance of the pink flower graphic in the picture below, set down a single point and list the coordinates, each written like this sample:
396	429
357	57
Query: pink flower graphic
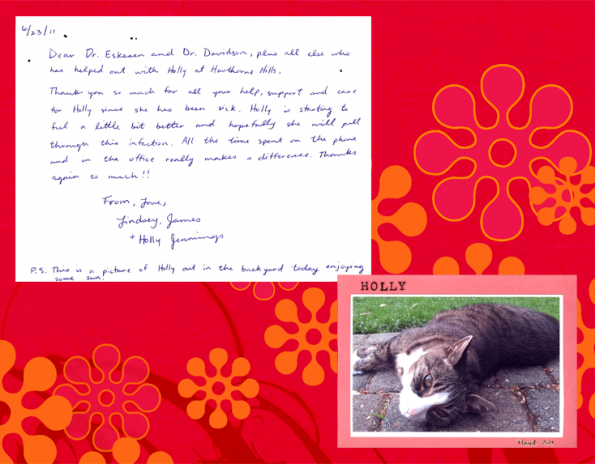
502	152
109	395
264	290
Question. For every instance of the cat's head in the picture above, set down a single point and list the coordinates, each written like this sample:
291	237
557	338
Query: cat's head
436	387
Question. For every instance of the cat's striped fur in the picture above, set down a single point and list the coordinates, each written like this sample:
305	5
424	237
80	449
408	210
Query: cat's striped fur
443	364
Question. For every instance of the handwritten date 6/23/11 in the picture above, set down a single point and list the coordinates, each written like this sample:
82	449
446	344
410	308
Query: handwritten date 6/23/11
31	31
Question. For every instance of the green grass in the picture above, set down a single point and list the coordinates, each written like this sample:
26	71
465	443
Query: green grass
400	313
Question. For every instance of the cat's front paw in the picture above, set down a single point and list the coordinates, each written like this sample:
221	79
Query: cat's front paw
365	364
355	365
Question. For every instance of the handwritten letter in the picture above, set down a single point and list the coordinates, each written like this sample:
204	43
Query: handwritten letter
192	149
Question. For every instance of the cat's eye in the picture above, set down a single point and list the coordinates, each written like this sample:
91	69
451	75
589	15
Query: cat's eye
428	381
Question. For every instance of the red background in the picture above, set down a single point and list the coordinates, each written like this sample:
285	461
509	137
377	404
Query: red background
417	48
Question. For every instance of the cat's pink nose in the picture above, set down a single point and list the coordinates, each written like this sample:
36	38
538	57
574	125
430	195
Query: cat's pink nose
414	411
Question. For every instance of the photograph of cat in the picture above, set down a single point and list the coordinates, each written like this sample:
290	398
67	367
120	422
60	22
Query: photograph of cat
443	364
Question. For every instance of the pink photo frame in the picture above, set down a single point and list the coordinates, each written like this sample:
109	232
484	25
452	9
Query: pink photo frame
563	287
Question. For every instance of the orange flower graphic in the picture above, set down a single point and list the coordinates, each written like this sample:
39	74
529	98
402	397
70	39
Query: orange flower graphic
313	336
239	408
565	196
126	451
410	219
585	348
55	412
110	396
479	257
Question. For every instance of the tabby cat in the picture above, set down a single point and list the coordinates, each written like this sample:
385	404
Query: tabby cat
443	364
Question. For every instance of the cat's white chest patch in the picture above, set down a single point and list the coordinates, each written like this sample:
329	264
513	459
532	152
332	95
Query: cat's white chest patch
411	405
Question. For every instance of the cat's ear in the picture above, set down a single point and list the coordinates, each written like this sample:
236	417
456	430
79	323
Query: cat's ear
456	351
479	405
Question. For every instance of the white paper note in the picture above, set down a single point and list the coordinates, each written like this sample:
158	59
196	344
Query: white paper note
192	148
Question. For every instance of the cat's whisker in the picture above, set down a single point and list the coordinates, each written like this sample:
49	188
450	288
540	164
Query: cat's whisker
387	368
